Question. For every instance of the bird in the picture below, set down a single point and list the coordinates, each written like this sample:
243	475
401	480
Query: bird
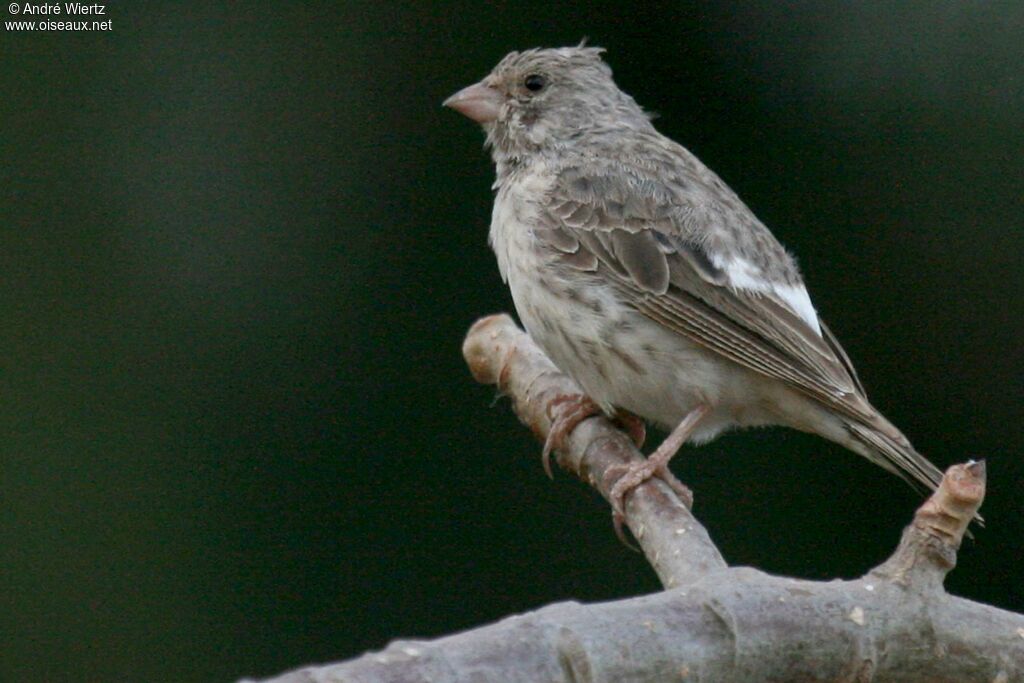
647	280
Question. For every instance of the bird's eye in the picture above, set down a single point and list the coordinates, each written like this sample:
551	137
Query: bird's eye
535	82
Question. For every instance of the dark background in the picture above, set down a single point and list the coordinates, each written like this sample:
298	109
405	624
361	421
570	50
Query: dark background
241	244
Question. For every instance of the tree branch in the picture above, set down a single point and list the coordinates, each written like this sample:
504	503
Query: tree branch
675	543
718	623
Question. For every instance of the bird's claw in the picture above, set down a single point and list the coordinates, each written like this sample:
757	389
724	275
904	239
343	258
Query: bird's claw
571	410
628	476
575	408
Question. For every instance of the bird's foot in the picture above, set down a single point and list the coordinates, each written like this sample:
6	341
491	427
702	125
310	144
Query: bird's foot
628	476
575	408
566	411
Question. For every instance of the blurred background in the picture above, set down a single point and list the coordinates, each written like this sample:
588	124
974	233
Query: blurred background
241	245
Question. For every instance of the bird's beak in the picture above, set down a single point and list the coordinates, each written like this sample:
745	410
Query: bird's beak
479	102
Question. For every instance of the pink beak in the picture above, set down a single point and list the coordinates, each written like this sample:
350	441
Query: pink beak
479	102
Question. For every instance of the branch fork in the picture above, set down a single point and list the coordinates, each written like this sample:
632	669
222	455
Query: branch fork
713	622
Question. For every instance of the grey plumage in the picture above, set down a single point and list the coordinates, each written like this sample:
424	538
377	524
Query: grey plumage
645	278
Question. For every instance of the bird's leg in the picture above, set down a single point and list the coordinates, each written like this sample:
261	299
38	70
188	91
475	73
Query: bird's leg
656	464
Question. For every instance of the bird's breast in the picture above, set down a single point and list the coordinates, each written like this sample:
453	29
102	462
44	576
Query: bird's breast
616	355
619	357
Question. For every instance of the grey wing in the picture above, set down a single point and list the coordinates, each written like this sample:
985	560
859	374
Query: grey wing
646	232
840	353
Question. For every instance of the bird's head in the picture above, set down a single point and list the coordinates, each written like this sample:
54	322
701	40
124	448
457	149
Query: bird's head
542	99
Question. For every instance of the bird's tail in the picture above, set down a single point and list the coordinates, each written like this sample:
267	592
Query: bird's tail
891	450
884	445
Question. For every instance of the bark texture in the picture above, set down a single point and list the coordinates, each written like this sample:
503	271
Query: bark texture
713	623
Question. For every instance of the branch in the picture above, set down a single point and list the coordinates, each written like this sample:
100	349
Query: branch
675	543
720	623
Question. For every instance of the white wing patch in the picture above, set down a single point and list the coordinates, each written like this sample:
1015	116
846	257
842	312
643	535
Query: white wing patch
797	298
743	274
